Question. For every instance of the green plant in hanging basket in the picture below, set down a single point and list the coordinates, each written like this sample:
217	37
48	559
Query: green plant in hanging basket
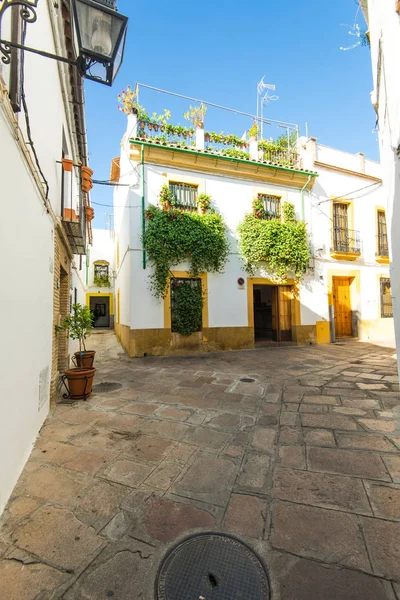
187	307
166	197
173	236
204	202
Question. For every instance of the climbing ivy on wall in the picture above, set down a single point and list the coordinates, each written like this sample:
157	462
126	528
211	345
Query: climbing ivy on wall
284	245
187	307
172	237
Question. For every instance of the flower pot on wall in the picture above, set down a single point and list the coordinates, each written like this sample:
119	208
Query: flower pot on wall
87	173
86	185
67	164
89	211
85	359
70	215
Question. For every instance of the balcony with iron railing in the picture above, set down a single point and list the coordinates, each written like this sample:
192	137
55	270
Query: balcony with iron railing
382	248
220	143
75	210
346	244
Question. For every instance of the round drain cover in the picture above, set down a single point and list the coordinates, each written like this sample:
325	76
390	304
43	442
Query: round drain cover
212	566
247	380
106	386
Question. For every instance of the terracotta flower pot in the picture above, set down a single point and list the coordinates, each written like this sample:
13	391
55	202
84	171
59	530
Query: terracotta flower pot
80	382
67	164
86	173
86	186
156	127
85	359
89	211
70	215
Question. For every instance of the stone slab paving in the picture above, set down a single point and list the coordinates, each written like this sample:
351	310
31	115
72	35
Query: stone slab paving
303	464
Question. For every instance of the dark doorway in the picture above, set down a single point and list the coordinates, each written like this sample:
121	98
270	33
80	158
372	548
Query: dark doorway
265	317
272	313
100	306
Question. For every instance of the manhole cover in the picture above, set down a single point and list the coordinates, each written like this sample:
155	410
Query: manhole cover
212	566
106	386
247	380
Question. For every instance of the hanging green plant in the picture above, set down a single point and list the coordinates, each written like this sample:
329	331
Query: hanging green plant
258	208
204	202
173	236
101	281
187	307
235	153
166	197
284	245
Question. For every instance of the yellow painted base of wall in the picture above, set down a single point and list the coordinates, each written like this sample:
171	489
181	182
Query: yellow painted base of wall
161	342
323	332
376	329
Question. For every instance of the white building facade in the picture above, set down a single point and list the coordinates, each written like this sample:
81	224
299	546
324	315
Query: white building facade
44	229
347	271
383	20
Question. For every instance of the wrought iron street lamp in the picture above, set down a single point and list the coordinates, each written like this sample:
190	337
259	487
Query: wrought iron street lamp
99	37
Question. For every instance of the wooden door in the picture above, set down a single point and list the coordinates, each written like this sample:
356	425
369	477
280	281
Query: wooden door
285	295
342	306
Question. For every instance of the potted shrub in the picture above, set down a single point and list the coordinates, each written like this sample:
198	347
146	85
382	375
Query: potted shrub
253	131
196	115
79	325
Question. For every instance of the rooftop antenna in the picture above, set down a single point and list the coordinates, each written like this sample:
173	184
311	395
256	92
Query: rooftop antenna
263	100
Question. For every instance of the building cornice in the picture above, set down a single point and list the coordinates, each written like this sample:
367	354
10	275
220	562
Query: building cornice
323	165
211	162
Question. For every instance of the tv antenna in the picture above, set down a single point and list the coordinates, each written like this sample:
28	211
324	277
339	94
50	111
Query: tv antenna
263	98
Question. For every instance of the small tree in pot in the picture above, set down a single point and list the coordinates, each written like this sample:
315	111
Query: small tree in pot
79	325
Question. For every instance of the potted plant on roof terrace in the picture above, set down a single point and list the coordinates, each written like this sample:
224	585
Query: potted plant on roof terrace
196	115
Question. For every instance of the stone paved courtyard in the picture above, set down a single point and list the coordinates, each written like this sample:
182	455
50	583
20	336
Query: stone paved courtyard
303	464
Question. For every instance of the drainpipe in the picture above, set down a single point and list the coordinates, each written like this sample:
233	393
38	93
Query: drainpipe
302	197
87	264
143	206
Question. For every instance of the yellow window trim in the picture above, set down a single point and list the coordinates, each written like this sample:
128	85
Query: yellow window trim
268	191
167	297
383	260
350	220
102	262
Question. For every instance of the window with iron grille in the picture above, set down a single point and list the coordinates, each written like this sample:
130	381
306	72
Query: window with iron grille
185	195
175	282
386	298
272	205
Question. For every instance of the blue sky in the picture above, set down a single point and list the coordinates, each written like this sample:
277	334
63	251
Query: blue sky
217	51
